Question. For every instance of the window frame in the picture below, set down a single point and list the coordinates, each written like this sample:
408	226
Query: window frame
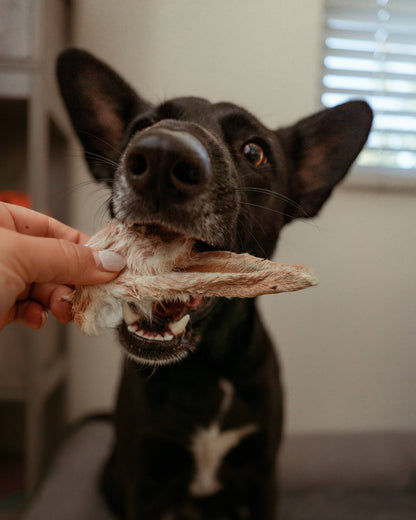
364	176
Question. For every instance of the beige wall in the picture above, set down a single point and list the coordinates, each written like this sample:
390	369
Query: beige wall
347	346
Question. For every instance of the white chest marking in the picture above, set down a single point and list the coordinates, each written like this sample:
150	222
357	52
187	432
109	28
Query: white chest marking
210	445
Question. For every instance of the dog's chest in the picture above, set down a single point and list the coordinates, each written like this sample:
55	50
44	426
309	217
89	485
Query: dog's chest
211	444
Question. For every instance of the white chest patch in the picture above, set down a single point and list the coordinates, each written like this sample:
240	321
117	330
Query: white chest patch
210	445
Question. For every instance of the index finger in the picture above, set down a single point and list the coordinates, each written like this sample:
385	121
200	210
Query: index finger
29	222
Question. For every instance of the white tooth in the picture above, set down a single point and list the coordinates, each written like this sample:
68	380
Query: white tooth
177	327
129	315
146	335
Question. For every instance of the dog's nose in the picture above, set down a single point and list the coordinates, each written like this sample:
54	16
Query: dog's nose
167	164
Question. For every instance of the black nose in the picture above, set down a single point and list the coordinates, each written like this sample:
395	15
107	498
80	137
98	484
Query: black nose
167	165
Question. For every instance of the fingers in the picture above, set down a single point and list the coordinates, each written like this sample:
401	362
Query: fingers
29	312
29	222
45	260
32	306
54	297
40	258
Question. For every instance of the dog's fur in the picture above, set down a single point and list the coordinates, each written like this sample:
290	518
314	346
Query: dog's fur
197	440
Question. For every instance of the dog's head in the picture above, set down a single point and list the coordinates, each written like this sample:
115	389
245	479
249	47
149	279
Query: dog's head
211	172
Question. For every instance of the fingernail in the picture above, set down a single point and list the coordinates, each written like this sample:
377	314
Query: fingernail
44	318
109	260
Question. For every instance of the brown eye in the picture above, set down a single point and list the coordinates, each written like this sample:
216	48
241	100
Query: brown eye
254	153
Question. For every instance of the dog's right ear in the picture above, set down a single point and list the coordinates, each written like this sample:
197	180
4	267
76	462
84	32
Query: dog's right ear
100	105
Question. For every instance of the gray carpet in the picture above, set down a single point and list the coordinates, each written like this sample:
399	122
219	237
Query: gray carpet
323	477
70	489
346	504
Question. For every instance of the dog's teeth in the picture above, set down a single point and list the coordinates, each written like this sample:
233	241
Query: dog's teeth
149	335
177	327
143	334
128	314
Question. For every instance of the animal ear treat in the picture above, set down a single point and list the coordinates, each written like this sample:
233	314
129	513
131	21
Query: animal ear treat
163	269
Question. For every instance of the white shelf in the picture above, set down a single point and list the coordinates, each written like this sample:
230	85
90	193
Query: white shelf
34	135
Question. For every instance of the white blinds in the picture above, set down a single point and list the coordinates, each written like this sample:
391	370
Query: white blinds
370	53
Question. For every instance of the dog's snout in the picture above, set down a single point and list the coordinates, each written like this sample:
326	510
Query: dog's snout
168	164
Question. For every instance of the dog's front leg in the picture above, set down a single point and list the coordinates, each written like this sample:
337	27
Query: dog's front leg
151	491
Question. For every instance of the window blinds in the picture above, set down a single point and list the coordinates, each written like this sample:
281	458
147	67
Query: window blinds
370	53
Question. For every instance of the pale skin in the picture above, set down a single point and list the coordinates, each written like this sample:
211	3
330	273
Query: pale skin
41	260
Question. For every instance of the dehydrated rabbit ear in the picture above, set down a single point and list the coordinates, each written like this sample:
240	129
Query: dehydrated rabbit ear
160	270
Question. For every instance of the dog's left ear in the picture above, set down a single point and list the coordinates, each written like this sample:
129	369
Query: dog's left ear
320	150
100	104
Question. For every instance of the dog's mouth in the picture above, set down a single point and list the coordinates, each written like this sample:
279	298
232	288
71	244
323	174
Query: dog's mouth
169	332
168	336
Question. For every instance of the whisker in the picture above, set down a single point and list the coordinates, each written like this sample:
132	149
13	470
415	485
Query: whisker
260	206
70	190
74	152
100	139
253	236
102	158
252	216
152	373
239	241
101	214
274	194
275	211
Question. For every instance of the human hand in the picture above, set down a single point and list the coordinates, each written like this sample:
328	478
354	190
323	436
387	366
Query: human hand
40	259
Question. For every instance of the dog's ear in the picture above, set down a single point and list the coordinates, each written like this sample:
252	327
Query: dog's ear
100	105
320	149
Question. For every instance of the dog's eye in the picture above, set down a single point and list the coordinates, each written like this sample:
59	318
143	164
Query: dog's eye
254	153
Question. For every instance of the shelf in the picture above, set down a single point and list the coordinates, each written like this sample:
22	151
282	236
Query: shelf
34	137
17	28
13	144
16	84
13	508
12	485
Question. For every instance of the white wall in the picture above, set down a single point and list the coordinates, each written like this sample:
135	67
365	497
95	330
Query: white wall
347	346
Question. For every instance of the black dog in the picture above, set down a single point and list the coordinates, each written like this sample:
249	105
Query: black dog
198	439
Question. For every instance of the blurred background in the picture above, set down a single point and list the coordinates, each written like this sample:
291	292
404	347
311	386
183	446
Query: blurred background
348	346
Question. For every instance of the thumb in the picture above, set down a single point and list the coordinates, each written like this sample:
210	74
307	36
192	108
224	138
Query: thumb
64	262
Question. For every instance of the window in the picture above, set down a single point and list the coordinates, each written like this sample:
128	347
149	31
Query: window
370	53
